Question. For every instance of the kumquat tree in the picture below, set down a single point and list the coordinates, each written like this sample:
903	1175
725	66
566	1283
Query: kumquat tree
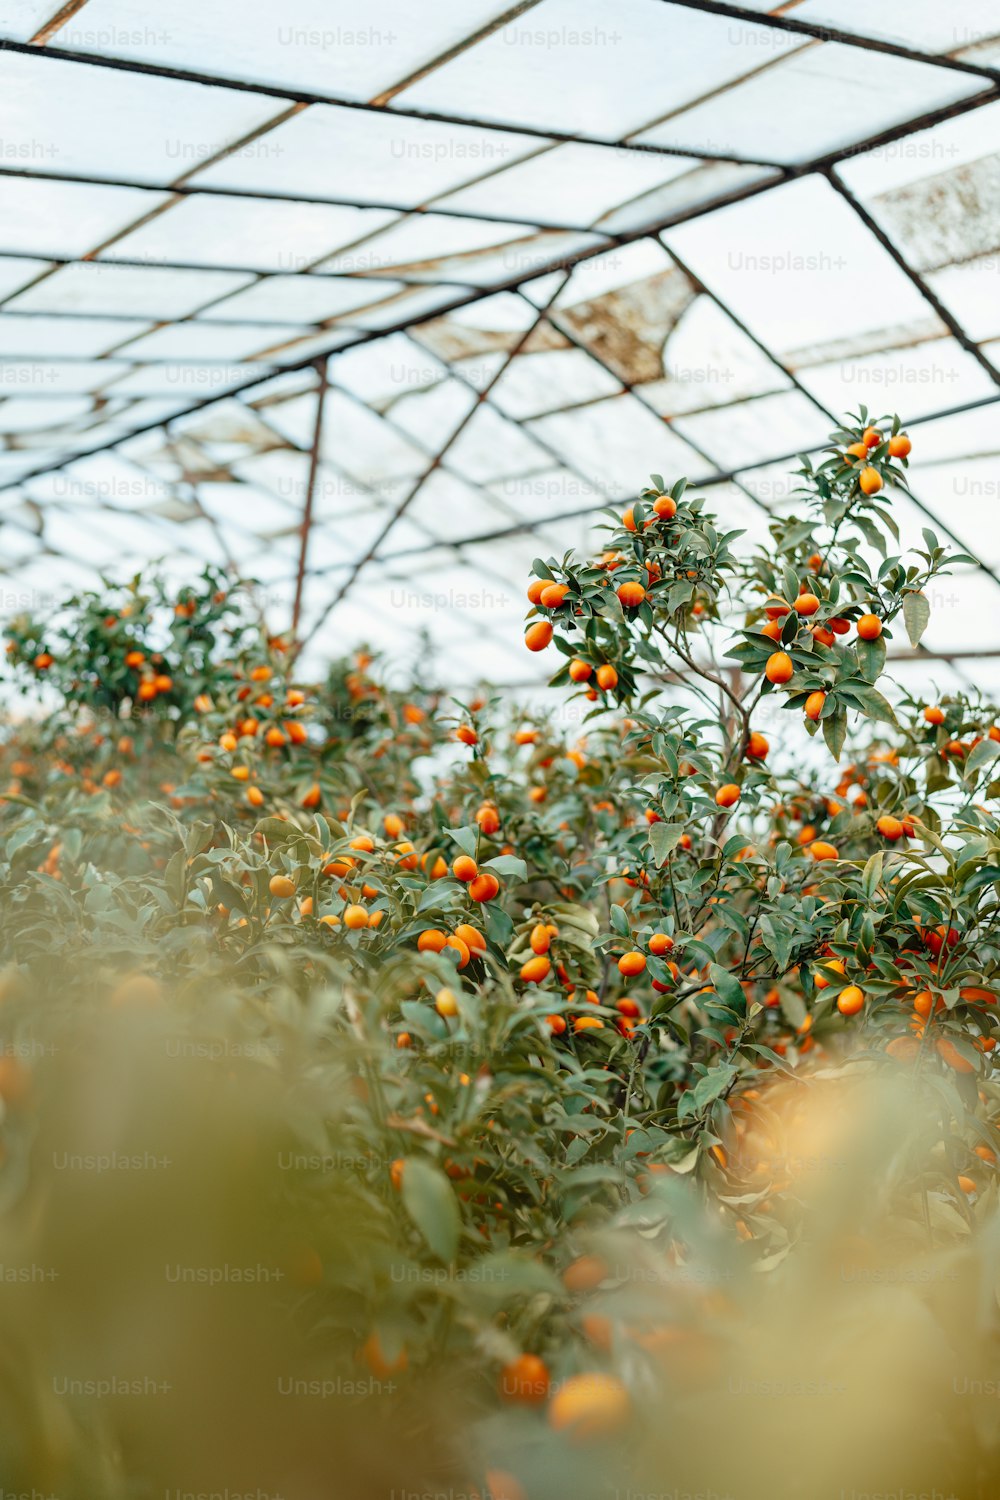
403	1093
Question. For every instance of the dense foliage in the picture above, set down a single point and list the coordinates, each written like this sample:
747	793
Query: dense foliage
531	1032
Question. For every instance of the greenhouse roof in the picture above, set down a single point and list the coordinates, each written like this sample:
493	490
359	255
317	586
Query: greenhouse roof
376	303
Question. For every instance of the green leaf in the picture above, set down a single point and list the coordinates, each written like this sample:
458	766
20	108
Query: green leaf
916	616
872	874
835	732
871	701
727	986
985	752
663	837
871	658
430	1203
508	864
619	921
467	839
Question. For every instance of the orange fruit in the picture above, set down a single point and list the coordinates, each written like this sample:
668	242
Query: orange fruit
728	795
900	445
540	938
553	594
779	668
537	636
806	604
813	705
890	828
869	627
446	1002
870	480
665	507
871	437
355	918
580	670
465	869
525	1380
376	1361
660	942
466	734
431	940
632	963
537	969
933	714
594	1405
255	796
858	450
471	937
535	588
631	595
556	1024
757	746
821	850
607	677
485	886
281	886
950	1054
461	948
850	1000
364	843
585	1274
503	1486
488	819
835	966
588	1023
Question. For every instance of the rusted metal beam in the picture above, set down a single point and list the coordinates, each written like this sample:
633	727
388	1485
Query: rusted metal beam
307	510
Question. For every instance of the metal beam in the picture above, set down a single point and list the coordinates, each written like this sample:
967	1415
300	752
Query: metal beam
824	33
339	101
307	510
944	313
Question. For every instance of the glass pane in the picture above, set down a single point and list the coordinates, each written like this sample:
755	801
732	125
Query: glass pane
46	377
75	118
754	430
66	218
247	232
491	447
20	19
923	24
830	96
15	273
536	383
81	337
302	299
766	258
618	444
566	61
321	46
126	291
208	341
570	184
332	153
914	380
708	361
430	240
